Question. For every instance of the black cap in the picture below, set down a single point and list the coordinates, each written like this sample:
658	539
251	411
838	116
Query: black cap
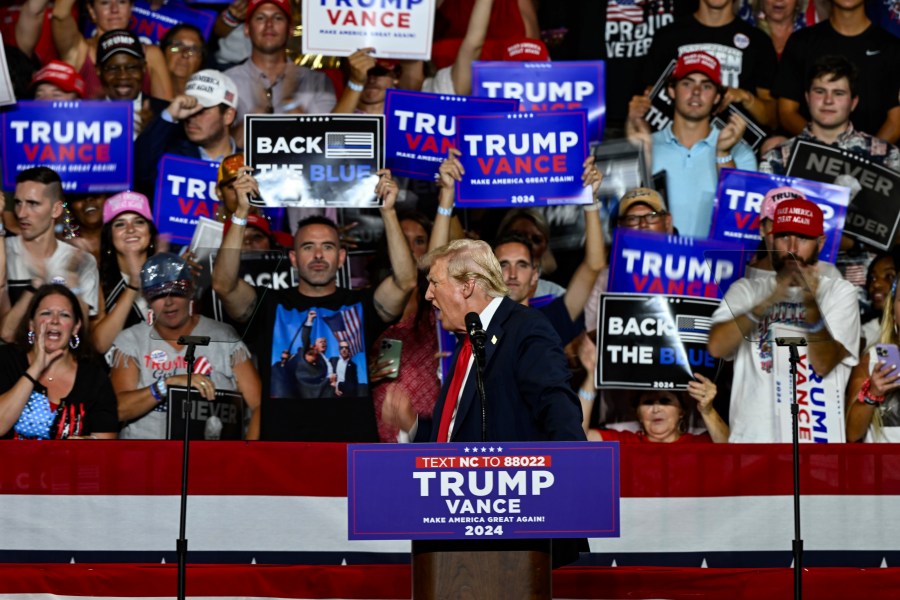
118	40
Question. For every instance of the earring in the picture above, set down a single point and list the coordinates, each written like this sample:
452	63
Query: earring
30	337
150	317
74	342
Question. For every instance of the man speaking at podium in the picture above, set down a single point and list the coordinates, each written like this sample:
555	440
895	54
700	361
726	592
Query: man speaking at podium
526	378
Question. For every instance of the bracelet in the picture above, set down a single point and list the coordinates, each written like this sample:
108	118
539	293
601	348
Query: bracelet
592	207
356	87
723	160
864	396
229	19
161	387
33	381
131	287
238	221
586	395
154	393
447	212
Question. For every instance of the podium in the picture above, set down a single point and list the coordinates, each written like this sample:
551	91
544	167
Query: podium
482	517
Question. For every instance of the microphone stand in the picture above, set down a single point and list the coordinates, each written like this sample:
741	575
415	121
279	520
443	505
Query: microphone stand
181	544
478	350
797	546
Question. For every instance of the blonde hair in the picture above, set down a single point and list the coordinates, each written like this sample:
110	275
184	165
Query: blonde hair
470	259
889	335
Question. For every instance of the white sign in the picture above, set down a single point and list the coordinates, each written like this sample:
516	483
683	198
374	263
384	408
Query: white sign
395	28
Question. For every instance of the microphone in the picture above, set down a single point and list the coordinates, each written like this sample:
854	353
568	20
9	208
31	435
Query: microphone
476	331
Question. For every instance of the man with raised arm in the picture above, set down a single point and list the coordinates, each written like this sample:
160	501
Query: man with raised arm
341	315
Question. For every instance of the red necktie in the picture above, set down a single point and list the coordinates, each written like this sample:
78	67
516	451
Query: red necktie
459	375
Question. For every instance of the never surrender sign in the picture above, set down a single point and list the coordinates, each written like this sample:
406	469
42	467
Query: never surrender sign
185	191
491	490
653	341
315	160
88	143
667	264
547	87
395	28
530	159
739	198
421	128
874	214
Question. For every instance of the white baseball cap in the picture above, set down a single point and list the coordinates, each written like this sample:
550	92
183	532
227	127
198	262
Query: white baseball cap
211	88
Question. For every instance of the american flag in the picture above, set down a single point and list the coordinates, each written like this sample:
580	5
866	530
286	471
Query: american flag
202	366
626	10
349	145
693	328
346	326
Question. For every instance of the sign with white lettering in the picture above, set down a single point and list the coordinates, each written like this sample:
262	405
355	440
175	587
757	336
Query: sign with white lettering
649	341
395	28
219	419
652	263
264	269
547	87
874	213
151	25
422	127
315	160
739	198
661	111
185	191
490	490
522	159
88	143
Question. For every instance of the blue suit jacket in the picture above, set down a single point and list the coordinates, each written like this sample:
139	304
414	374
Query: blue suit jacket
526	381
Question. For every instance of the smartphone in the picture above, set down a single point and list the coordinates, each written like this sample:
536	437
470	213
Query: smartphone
889	354
390	350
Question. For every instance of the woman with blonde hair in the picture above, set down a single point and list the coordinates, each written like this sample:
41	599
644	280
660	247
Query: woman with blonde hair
873	413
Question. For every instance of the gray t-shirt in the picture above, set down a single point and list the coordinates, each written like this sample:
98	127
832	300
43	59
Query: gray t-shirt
157	358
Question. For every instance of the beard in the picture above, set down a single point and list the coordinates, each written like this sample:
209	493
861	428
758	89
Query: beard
781	262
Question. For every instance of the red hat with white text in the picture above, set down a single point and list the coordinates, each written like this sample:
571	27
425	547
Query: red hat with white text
798	217
698	62
522	49
284	5
775	196
62	75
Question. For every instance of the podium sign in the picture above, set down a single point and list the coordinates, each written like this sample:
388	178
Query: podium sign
494	490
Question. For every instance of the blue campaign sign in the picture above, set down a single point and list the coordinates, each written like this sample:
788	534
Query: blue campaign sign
651	263
185	191
739	200
547	87
522	159
491	490
151	25
88	143
421	127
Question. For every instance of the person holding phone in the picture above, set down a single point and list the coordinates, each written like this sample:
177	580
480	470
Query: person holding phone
873	404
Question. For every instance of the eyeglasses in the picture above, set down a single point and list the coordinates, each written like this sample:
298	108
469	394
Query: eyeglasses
129	69
186	51
269	107
344	348
650	218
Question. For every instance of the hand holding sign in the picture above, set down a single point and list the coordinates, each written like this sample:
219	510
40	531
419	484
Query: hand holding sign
591	176
386	189
451	170
360	62
245	187
637	130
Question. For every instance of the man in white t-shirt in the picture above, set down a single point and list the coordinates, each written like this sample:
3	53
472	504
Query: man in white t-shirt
35	257
797	301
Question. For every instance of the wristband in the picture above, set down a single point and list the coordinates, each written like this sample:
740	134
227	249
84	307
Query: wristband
162	388
866	398
356	87
447	212
131	287
592	207
817	326
30	378
586	395
238	221
724	160
230	19
154	393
